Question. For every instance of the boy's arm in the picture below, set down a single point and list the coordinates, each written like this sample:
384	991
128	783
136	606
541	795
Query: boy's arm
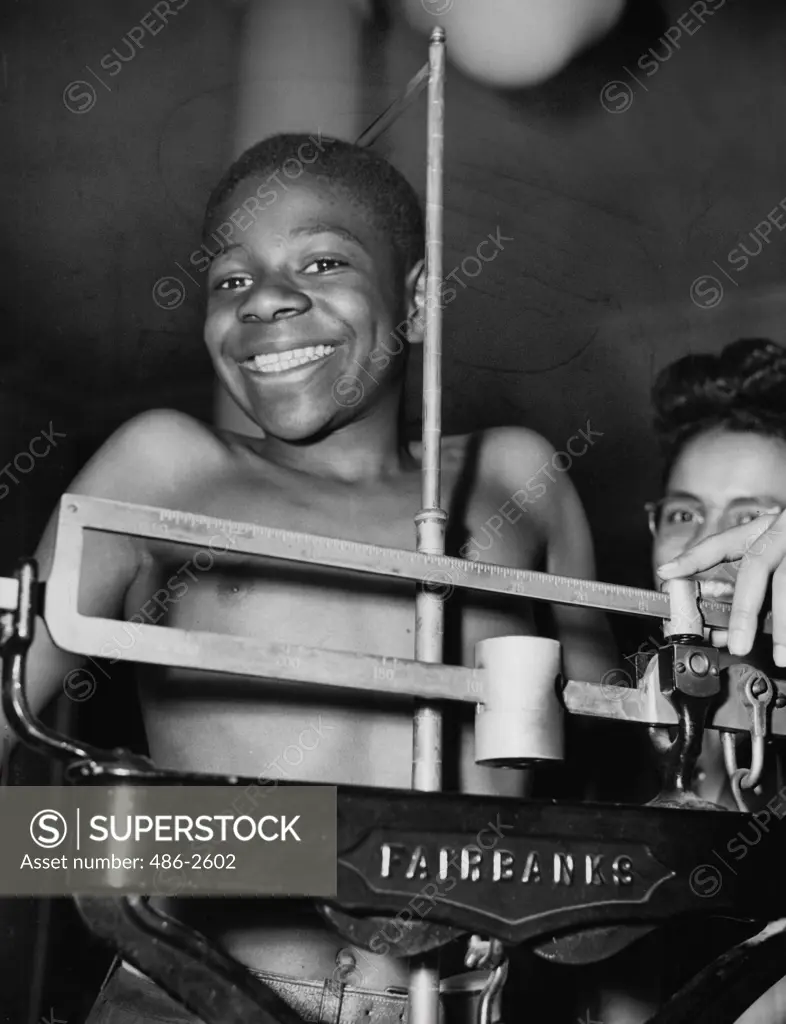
588	646
131	467
523	462
512	464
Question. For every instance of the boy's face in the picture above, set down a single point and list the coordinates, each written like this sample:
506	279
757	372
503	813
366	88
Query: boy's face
302	309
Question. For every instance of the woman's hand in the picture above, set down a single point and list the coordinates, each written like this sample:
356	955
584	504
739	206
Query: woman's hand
759	547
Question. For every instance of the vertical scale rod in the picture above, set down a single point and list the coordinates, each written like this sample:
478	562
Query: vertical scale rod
431	520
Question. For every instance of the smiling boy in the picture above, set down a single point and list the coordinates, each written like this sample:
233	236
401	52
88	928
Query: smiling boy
300	301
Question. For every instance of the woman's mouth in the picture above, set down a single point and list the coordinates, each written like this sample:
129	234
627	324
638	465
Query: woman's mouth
279	362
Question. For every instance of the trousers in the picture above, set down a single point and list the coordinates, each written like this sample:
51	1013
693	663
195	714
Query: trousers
128	997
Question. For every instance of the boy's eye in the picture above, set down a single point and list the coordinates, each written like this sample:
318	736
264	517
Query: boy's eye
325	263
232	282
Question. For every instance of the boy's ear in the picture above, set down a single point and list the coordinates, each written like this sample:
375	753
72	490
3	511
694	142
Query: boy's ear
416	303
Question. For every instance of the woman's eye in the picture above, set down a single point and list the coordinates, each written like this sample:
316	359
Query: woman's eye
232	282
747	517
679	515
325	263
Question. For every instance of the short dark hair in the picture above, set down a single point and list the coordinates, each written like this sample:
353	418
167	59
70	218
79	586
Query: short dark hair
366	177
742	389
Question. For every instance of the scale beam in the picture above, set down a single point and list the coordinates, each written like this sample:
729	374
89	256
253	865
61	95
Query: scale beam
78	513
257	659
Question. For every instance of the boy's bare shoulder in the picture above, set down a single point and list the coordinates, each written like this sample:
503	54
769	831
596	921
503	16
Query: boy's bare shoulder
171	426
502	453
151	456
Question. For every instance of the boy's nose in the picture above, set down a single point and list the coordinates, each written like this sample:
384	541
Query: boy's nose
271	302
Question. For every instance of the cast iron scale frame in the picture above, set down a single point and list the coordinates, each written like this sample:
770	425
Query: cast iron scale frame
635	864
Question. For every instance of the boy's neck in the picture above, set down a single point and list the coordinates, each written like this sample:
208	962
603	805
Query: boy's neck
368	448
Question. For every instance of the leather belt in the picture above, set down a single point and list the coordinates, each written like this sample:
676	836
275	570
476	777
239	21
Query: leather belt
327	1002
331	1002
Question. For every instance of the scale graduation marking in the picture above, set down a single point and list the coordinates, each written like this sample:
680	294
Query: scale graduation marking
441	571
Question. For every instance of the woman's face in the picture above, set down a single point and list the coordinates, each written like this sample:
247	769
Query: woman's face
719	479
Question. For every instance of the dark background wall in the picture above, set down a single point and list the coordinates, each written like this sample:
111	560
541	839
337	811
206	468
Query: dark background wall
96	207
612	216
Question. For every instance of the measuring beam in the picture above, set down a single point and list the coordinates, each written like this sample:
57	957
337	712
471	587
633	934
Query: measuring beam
78	513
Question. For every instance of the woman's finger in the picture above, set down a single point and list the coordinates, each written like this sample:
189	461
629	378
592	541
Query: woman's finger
750	592
779	616
729	546
763	555
760	549
719	637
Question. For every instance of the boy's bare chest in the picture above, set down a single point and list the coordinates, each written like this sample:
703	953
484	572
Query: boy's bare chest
196	722
317	606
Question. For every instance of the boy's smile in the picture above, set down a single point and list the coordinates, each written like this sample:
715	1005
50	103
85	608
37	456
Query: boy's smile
286	362
299	300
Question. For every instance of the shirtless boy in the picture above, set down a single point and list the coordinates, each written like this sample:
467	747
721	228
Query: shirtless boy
309	292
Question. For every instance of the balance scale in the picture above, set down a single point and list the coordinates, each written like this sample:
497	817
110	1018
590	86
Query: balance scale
617	870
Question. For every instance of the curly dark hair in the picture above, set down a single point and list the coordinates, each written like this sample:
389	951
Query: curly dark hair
743	389
365	177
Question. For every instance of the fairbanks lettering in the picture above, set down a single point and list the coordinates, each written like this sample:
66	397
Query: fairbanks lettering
534	865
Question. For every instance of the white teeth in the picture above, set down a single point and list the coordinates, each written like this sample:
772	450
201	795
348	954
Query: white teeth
717	590
277	362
